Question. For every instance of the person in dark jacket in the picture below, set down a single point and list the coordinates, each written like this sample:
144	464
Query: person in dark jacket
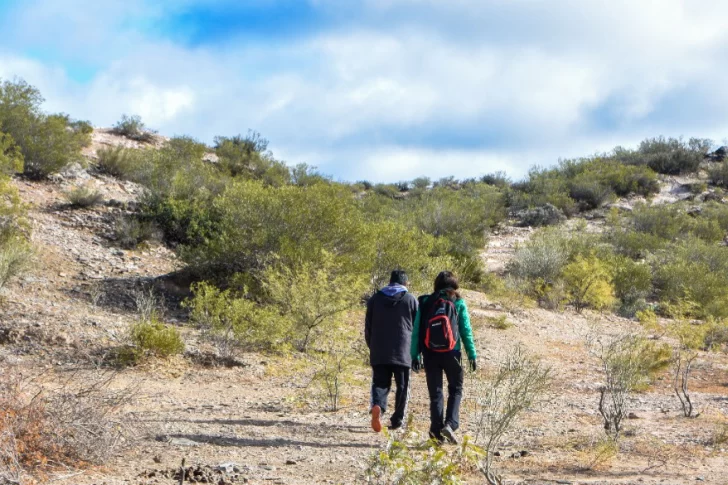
388	333
444	424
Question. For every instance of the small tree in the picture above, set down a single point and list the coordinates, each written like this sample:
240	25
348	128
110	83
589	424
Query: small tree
588	283
516	385
311	296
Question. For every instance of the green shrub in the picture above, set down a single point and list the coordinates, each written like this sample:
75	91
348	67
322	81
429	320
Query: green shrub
551	295
665	221
636	245
155	338
499	179
695	271
667	155
233	322
458	219
718	174
542	257
117	161
589	194
304	175
295	223
133	128
545	215
130	232
407	460
632	285
82	197
386	190
248	157
15	255
542	187
589	283
311	296
49	146
501	322
11	159
48	142
390	246
83	127
421	183
19	108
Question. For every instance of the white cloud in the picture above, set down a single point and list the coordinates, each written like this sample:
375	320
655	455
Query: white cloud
394	95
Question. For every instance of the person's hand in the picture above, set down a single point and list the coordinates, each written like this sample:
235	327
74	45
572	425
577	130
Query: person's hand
473	365
416	364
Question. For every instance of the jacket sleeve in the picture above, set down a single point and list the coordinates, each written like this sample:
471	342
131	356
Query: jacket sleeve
466	331
415	344
368	324
415	309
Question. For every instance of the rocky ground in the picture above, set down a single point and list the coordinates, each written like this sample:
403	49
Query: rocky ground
259	423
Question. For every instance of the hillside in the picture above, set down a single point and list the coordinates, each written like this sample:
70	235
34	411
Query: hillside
258	420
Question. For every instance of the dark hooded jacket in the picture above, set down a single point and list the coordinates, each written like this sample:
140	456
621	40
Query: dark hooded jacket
388	326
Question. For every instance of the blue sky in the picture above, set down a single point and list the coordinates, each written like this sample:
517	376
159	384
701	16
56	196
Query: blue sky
385	90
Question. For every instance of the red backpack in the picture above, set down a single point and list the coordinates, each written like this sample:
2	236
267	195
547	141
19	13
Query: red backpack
441	325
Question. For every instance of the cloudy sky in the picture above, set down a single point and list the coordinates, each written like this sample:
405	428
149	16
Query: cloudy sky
385	90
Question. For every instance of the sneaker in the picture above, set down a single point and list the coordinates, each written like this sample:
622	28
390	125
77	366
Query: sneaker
449	434
394	426
376	418
437	438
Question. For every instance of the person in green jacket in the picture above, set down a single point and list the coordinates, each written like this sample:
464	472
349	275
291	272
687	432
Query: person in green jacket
436	362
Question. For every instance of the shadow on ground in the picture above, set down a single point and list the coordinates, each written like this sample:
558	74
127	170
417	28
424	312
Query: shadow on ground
258	442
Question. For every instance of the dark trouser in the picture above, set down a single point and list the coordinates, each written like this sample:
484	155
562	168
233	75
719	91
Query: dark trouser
382	383
435	365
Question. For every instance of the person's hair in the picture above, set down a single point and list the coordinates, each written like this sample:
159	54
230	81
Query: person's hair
398	277
448	282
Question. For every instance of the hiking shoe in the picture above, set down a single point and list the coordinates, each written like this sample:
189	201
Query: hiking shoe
394	426
437	438
449	434
376	418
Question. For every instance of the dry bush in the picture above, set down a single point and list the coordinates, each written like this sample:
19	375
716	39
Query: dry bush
118	161
76	422
83	197
628	363
597	453
130	232
500	322
334	363
498	400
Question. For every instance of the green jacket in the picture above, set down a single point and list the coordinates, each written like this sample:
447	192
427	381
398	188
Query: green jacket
466	331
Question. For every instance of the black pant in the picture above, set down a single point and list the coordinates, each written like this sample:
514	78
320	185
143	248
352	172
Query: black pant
435	365
382	383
